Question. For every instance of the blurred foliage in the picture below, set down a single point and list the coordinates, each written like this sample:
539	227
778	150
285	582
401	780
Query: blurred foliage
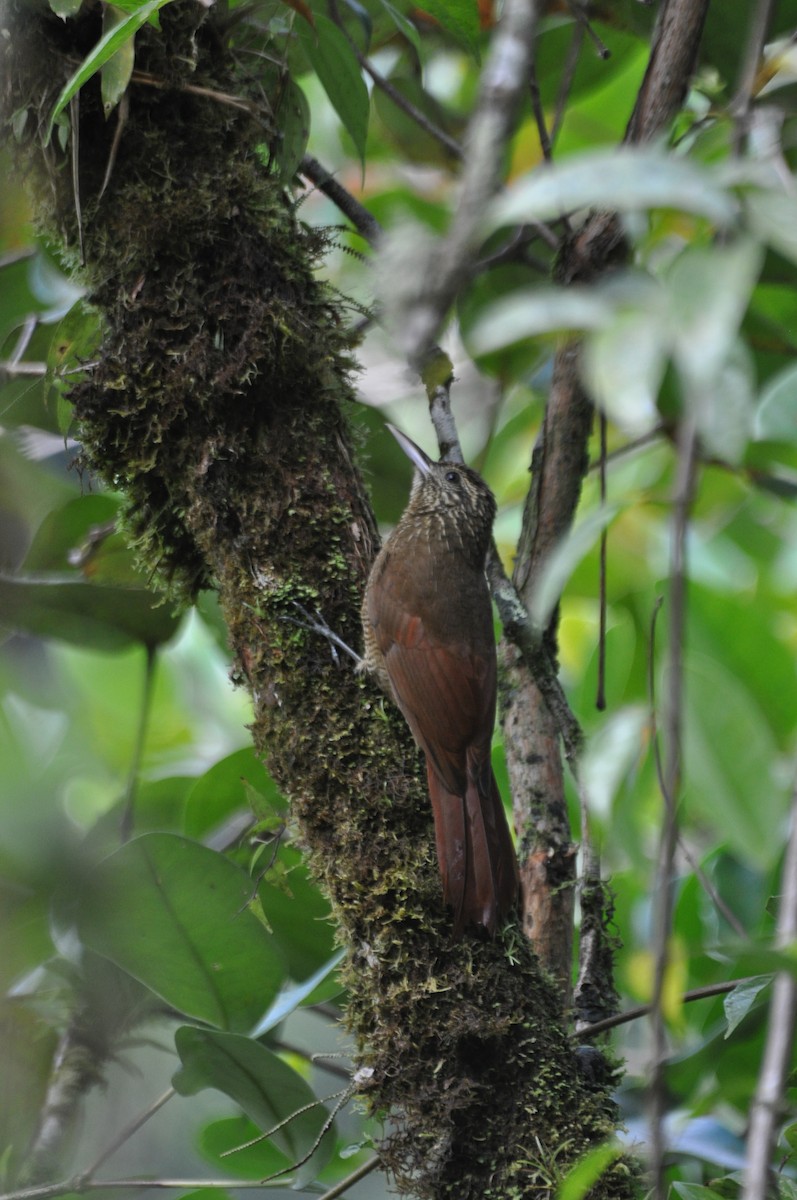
113	706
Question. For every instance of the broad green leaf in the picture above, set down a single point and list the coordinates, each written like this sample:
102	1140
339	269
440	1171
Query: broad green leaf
298	914
460	18
88	614
175	915
694	1191
623	365
611	753
587	1171
738	1003
291	997
65	8
334	62
773	218
529	313
293	116
776	415
107	46
625	180
237	782
116	72
562	561
234	1146
404	26
730	758
709	292
266	1088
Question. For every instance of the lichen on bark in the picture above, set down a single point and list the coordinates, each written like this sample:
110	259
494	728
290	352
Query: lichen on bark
219	407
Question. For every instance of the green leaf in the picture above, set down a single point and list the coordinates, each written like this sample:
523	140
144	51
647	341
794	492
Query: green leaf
116	72
563	560
265	1087
298	914
87	614
738	1003
730	760
107	46
290	998
587	1171
405	26
694	1191
460	18
334	62
253	1157
776	416
773	218
625	180
65	8
175	915
293	116
231	785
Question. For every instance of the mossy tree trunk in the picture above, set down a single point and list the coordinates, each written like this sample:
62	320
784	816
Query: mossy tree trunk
219	408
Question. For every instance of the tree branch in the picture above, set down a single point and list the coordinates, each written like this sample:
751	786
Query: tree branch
765	1113
504	80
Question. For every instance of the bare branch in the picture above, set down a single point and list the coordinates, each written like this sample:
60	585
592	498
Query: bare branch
642	1010
361	219
504	80
766	1109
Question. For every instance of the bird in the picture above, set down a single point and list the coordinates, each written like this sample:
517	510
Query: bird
429	642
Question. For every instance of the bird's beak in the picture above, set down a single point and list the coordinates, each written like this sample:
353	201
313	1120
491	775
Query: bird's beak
421	461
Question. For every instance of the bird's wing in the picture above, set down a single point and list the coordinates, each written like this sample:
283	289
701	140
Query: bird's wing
446	689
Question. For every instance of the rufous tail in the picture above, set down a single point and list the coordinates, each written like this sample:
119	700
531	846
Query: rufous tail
478	865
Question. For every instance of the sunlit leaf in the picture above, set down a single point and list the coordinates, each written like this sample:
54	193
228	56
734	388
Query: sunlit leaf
264	1086
587	1171
624	180
562	561
291	997
776	415
175	915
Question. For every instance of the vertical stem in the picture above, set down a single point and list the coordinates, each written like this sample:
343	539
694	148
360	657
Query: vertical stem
126	824
600	699
663	899
765	1111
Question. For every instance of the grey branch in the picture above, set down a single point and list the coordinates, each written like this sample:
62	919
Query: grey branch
504	80
766	1110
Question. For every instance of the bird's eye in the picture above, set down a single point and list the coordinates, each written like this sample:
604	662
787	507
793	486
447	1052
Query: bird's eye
452	476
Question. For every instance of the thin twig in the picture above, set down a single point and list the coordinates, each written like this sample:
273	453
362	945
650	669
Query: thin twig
760	21
449	144
341	1188
643	1010
566	82
663	898
74	117
361	219
125	1134
584	21
702	878
765	1114
600	699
